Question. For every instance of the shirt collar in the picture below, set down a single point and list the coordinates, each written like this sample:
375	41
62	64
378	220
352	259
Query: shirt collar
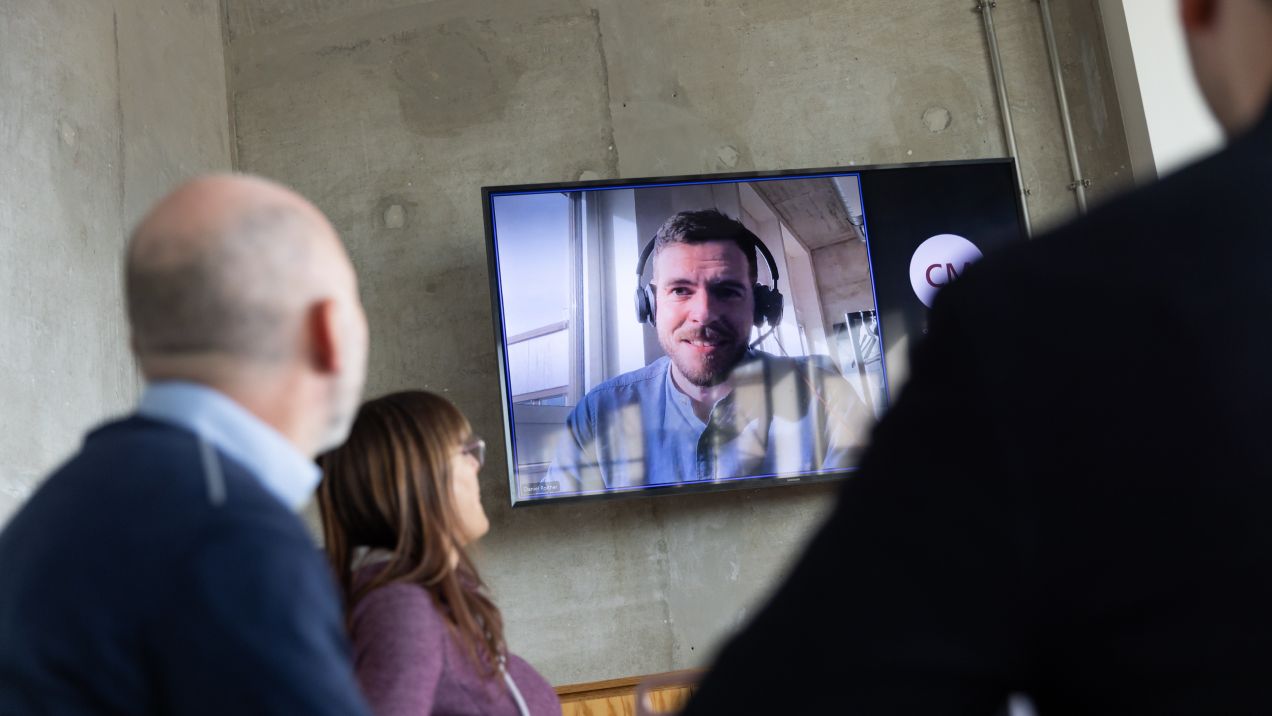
276	463
680	403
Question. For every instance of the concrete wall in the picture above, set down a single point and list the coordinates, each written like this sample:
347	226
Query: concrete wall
106	105
382	108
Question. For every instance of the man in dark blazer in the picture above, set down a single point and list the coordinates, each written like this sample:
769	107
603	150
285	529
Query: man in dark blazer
1073	497
163	569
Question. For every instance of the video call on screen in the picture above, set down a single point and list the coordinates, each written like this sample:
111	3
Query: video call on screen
591	392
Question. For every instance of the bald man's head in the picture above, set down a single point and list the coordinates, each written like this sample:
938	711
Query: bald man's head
225	266
232	276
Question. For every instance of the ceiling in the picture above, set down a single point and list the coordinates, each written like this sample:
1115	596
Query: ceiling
811	208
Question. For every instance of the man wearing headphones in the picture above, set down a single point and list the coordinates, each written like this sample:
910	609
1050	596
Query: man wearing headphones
711	408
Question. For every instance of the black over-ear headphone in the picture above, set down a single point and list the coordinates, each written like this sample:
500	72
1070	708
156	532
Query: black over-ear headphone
768	300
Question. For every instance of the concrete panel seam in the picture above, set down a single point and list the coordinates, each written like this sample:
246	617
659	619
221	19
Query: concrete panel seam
607	130
122	188
231	110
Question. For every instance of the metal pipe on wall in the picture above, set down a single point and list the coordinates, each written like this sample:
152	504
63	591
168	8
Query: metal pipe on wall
986	8
1079	185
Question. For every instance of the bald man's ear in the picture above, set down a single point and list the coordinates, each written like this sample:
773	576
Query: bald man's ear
325	351
1198	14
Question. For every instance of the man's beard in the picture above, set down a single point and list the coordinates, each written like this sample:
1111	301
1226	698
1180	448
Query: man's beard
707	371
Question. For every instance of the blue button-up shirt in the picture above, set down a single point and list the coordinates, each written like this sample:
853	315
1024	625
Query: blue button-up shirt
281	468
784	416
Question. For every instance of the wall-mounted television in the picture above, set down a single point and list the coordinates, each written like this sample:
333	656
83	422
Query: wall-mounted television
709	332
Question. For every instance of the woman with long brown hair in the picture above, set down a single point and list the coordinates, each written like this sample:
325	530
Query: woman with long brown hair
400	503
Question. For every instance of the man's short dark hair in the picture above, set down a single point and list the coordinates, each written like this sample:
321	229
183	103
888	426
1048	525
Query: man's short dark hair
696	227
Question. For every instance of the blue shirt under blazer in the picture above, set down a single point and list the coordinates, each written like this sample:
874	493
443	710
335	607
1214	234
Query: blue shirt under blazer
163	570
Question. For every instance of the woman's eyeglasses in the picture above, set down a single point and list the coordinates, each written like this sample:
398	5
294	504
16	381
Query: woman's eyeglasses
477	448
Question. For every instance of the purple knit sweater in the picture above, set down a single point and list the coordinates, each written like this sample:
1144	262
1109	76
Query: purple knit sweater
409	663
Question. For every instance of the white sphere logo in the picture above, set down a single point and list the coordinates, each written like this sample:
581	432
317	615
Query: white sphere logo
938	261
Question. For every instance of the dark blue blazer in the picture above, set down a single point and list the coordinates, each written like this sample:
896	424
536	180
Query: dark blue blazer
1072	497
140	580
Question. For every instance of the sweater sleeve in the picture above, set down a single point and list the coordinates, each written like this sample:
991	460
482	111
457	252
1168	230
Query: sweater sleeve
399	649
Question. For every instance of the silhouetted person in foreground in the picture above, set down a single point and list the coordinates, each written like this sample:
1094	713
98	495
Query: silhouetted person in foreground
1071	498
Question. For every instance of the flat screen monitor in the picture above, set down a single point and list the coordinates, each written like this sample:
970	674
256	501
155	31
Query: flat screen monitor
695	333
